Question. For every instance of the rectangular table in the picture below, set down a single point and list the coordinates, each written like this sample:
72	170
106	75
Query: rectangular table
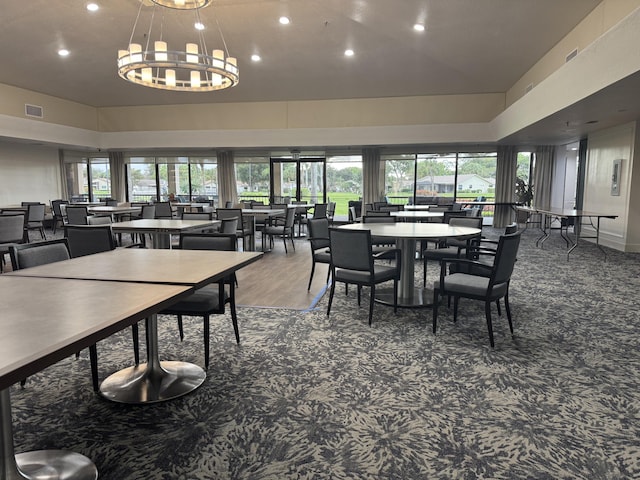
154	381
161	229
550	214
45	320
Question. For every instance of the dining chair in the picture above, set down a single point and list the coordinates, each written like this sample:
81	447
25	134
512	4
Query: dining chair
246	227
88	239
33	254
331	211
77	215
489	288
285	230
58	215
319	241
319	211
451	246
229	225
199	216
352	262
371	217
210	299
163	210
11	233
34	220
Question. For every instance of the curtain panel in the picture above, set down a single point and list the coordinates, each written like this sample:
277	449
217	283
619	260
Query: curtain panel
543	175
372	176
64	185
506	168
227	188
118	182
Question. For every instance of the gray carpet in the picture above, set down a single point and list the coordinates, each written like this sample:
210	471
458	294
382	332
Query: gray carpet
310	397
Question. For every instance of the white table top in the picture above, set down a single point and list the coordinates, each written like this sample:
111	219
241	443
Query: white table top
184	267
107	209
162	225
47	319
414	230
417	214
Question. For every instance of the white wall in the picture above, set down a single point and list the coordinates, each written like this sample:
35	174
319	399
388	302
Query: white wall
28	173
604	147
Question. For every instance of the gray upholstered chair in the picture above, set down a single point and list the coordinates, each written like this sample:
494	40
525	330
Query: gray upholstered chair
352	262
488	288
319	241
58	214
451	247
11	233
163	210
246	227
210	299
34	220
284	230
88	239
77	215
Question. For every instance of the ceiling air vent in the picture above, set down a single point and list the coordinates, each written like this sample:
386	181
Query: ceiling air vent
571	55
33	111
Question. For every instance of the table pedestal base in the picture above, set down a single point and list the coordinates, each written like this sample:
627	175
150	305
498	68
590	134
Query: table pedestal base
145	384
55	465
421	298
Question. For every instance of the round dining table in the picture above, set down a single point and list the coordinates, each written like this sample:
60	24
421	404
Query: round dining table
406	234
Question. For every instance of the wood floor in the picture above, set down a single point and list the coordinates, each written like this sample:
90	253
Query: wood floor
280	280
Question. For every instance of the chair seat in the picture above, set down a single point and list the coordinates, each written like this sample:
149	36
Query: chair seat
437	253
470	285
205	299
381	273
322	257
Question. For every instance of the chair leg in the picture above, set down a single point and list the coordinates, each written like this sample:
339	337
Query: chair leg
395	296
234	315
456	300
498	307
508	309
284	240
487	312
180	329
436	303
136	343
424	272
313	268
359	293
372	296
93	359
206	342
331	290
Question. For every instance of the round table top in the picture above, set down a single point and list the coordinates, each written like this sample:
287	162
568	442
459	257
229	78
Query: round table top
417	214
414	230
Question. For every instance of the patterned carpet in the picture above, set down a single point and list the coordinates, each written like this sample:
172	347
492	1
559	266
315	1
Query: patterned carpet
310	397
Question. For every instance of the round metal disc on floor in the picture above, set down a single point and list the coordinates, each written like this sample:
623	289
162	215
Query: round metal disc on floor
56	465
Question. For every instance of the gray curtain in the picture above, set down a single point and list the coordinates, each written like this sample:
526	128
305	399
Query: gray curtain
372	175
64	186
118	183
227	188
506	168
542	175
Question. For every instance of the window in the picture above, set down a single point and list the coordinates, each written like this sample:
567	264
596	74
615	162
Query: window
100	175
141	179
252	178
344	181
399	178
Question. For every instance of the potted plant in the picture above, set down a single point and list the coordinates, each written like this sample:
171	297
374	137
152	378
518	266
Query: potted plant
524	195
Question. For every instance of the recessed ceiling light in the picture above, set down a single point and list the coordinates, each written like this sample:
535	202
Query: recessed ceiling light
284	20
418	27
63	52
199	26
255	57
349	53
92	7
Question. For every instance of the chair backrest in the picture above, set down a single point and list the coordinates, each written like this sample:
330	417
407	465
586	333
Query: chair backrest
511	229
377	205
290	219
318	232
163	210
110	202
197	215
208	241
55	207
229	225
390	208
35	212
33	254
472	222
506	256
26	204
76	215
88	239
450	215
368	218
99	220
320	210
351	249
11	228
372	213
148	211
236	213
352	214
331	209
228	204
357	204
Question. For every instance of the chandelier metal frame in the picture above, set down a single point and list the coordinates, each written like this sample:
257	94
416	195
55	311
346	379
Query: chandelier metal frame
191	70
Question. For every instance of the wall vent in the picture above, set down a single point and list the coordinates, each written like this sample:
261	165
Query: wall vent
571	55
33	111
529	88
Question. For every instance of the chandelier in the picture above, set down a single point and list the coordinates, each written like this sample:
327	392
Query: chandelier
193	69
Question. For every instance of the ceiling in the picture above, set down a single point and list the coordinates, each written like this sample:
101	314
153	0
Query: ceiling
468	46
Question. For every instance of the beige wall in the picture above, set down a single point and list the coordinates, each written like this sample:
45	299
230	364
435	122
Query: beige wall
603	148
599	21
